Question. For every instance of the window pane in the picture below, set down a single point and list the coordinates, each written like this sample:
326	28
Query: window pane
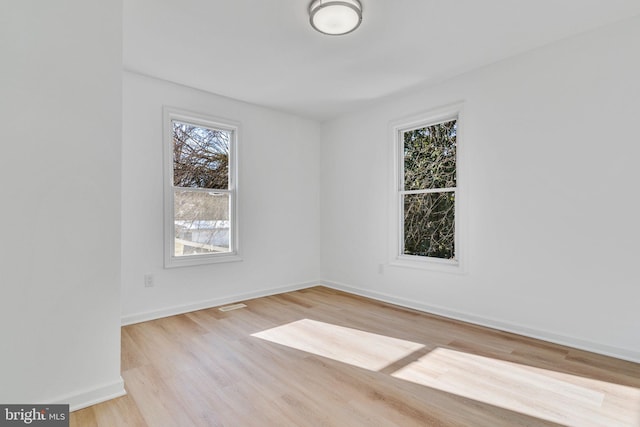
201	222
200	156
430	157
429	222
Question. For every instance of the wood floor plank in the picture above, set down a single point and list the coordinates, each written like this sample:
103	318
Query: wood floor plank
83	418
321	357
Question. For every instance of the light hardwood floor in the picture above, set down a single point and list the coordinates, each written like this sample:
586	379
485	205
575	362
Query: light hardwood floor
320	357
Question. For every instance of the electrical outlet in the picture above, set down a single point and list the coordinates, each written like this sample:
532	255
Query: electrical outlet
148	281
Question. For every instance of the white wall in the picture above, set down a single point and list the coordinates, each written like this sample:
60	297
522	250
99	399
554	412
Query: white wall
278	203
552	178
60	82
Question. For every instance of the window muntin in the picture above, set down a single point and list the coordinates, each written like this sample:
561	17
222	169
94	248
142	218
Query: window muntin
427	190
200	190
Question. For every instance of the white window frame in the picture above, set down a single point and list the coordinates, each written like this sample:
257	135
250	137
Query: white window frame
396	210
171	114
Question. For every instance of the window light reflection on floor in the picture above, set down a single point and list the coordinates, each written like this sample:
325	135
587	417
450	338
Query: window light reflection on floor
358	348
554	396
546	394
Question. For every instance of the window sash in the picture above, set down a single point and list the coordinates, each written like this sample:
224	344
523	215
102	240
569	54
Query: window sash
221	250
401	226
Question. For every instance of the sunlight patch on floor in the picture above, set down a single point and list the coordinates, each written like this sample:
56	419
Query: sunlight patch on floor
554	396
355	347
571	400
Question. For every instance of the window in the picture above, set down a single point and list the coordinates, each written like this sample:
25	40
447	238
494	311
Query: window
200	189
426	191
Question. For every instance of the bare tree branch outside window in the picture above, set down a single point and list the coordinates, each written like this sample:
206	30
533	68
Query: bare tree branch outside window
200	157
429	165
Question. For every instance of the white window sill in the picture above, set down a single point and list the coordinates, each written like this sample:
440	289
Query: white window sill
193	260
429	264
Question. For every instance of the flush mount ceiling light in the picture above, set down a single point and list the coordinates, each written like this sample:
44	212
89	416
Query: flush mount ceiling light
335	17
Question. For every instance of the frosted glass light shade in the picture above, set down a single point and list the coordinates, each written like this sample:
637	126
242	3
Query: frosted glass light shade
335	17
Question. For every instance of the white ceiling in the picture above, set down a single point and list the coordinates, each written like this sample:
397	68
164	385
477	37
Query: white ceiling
265	51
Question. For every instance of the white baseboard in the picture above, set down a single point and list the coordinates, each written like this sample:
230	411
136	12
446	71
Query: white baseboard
607	350
200	305
619	353
93	396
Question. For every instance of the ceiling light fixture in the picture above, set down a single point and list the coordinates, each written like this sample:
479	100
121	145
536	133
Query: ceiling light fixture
335	17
